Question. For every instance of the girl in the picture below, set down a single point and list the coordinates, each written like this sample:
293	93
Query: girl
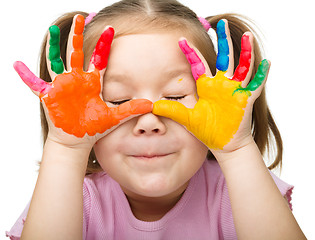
143	167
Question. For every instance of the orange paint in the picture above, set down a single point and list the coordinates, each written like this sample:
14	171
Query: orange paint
79	24
77	56
73	98
77	41
75	106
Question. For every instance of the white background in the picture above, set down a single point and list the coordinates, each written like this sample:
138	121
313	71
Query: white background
288	29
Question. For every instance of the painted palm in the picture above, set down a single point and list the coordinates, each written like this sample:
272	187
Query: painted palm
217	115
73	99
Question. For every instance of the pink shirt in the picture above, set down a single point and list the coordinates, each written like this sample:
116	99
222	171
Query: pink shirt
203	212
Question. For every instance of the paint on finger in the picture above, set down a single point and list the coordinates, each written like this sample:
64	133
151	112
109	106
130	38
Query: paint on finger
102	49
197	67
245	60
29	78
259	76
77	56
56	63
222	63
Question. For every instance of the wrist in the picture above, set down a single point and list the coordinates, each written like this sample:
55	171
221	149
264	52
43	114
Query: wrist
57	153
242	156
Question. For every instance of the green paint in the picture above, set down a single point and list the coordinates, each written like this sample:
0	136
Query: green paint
54	50
259	76
258	79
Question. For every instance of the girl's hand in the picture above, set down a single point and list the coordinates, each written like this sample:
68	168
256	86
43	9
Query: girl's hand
221	118
72	102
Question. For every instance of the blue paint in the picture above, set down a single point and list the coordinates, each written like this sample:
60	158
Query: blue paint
222	63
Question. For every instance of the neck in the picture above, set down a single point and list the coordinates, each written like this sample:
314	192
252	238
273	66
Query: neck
151	209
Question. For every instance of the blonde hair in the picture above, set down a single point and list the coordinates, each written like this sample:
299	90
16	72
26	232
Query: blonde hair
145	16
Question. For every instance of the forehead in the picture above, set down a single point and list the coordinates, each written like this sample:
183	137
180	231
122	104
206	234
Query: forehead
147	49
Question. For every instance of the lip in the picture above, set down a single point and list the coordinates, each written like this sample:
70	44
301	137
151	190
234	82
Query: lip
150	156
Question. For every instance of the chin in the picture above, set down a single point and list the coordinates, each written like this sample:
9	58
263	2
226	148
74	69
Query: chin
156	186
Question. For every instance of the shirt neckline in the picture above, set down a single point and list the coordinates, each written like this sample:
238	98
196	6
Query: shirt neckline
155	225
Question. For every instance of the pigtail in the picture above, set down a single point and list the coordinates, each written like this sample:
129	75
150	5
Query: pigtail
264	128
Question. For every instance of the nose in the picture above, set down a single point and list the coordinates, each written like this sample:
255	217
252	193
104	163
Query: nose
149	124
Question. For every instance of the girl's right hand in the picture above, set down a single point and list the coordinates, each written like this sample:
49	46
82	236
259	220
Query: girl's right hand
75	111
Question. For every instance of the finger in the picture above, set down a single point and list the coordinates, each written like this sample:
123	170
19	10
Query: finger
244	68
197	66
225	60
101	52
54	62
173	110
75	43
37	85
260	76
133	107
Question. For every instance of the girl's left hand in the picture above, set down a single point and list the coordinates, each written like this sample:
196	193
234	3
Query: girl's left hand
221	118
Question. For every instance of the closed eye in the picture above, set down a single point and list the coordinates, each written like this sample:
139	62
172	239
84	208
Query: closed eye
119	102
175	98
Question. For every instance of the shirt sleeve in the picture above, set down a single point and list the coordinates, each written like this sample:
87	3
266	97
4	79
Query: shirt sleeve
86	208
285	188
16	230
227	224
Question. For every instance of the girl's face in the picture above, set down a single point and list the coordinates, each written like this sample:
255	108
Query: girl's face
149	155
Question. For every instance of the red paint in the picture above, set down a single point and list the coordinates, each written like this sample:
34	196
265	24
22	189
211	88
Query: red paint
245	59
73	99
102	49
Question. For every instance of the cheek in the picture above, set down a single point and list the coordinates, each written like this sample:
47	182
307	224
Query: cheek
192	147
101	150
106	149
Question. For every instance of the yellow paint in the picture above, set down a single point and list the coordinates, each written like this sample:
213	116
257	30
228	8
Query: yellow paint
179	80
216	116
196	97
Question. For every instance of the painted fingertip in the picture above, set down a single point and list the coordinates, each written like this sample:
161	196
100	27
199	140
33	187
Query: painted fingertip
79	24
221	29
56	63
260	76
246	43
182	42
197	66
102	49
29	78
54	32
222	63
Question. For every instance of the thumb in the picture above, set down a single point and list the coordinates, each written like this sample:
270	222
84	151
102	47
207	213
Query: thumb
173	110
133	107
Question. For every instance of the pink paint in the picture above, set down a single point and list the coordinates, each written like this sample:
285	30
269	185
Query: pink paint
102	49
245	59
35	83
197	67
